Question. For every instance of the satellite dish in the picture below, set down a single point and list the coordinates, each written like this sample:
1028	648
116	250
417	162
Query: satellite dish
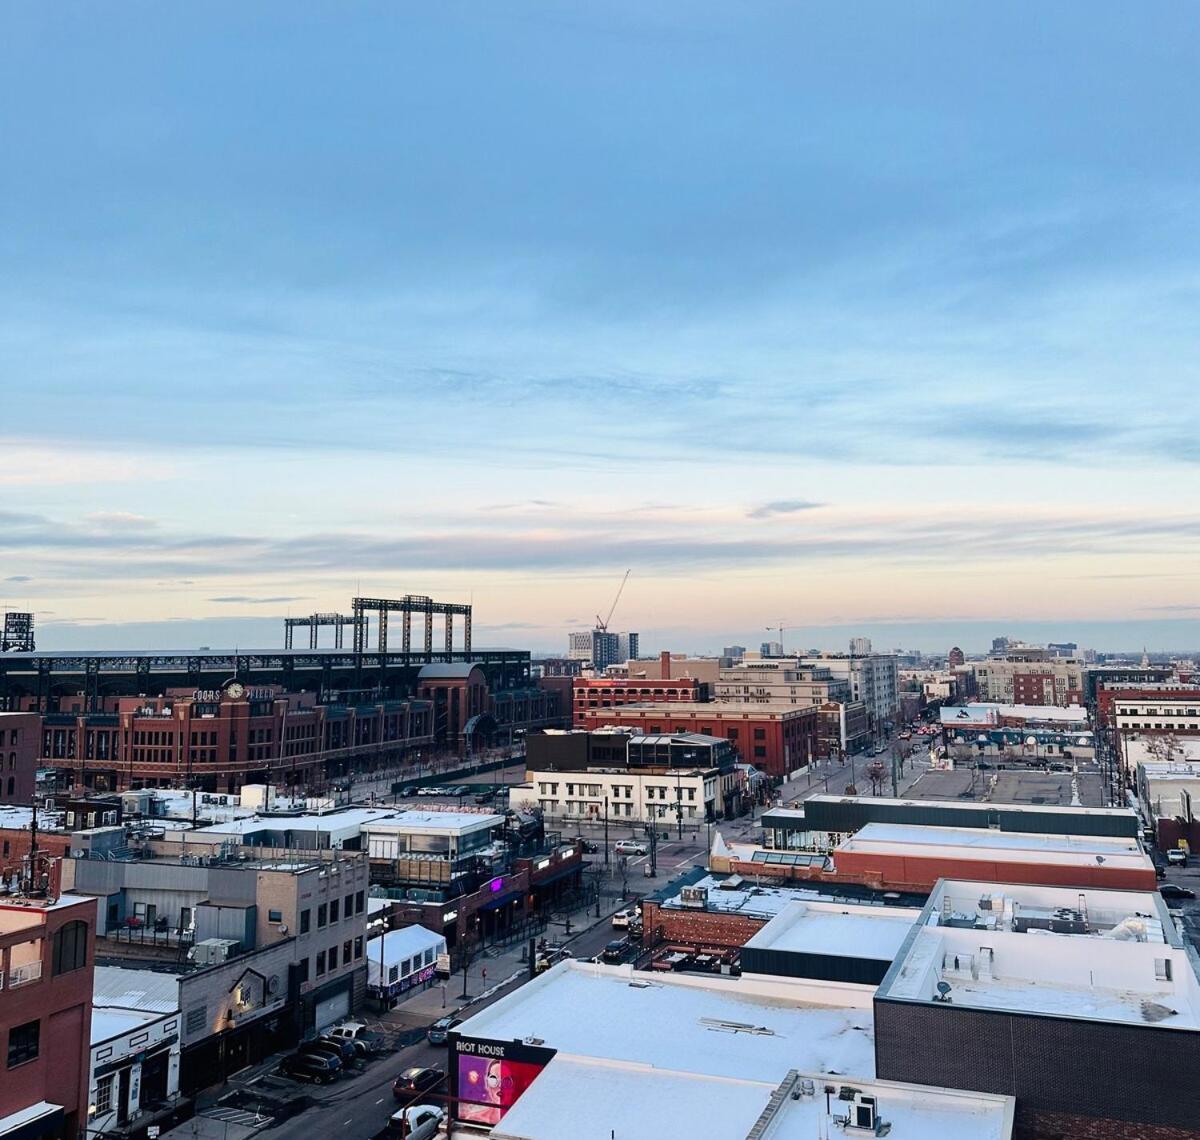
283	928
943	988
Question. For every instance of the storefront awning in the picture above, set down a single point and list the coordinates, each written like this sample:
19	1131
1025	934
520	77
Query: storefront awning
572	870
501	900
37	1120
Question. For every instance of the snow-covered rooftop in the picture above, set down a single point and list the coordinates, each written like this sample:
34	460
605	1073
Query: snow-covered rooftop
752	1029
589	1099
110	1023
839	929
436	821
1057	951
758	901
1005	846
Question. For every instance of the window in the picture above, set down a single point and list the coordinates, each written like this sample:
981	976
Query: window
348	906
760	734
303	970
305	921
320	963
334	909
274	916
346	952
197	1018
759	750
358	947
321	913
104	1090
333	957
360	902
23	1043
70	948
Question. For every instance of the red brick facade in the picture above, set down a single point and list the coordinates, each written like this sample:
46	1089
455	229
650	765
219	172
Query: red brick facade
698	927
19	739
46	1004
776	742
592	693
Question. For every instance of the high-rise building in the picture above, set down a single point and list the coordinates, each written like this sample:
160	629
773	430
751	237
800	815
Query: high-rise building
860	646
874	680
956	657
605	649
579	645
628	648
771	649
734	652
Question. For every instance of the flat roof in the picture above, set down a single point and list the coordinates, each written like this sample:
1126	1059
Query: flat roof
435	821
1095	955
842	930
717	709
589	1099
719	1026
1005	846
972	805
765	902
346	818
108	1023
146	990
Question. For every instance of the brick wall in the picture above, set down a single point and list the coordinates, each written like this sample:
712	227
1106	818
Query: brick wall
699	927
1064	1126
14	844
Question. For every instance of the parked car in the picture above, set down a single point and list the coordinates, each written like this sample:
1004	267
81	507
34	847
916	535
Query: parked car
344	1051
417	1122
412	1082
315	1067
1177	857
623	918
1175	891
615	950
438	1032
588	845
363	1040
630	847
485	797
409	790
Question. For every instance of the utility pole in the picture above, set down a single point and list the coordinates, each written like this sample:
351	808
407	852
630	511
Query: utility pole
606	834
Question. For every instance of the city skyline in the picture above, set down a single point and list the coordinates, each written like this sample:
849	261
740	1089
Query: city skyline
792	322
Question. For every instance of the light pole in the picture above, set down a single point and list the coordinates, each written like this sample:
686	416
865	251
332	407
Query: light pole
606	834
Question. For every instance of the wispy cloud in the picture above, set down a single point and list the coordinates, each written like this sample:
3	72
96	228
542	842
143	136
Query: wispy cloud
248	600
782	507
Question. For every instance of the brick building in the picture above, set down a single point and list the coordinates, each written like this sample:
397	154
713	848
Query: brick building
18	756
777	741
615	692
47	961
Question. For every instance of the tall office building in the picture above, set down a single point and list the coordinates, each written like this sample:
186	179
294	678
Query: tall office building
579	646
860	646
627	647
772	649
734	652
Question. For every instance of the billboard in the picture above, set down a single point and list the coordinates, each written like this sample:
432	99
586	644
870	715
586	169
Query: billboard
488	1077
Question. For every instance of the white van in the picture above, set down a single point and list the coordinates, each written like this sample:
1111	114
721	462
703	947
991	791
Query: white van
630	847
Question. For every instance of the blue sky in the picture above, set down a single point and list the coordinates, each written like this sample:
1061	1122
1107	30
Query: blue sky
861	315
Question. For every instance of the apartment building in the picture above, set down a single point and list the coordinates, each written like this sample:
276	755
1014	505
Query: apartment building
47	958
1021	678
873	679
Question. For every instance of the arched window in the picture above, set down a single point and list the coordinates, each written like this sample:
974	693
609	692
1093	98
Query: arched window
70	947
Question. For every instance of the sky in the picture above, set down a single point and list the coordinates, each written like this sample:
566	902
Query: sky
868	318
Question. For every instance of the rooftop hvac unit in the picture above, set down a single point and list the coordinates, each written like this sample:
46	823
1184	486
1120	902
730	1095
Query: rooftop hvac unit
695	898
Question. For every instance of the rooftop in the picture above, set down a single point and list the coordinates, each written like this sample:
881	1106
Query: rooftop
149	991
842	930
720	1026
1006	846
715	709
590	1099
108	1023
1098	955
436	821
735	894
967	805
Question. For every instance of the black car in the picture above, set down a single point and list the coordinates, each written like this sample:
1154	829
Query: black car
344	1051
1175	891
315	1067
589	847
408	790
614	951
412	1082
438	1032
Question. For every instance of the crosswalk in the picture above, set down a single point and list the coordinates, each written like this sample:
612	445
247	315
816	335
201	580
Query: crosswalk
237	1116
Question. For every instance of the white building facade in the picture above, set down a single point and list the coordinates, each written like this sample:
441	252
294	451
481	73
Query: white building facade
637	796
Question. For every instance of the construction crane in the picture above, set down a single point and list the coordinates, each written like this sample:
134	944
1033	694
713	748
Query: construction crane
602	624
779	628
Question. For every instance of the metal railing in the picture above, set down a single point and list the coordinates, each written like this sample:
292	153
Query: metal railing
23	975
